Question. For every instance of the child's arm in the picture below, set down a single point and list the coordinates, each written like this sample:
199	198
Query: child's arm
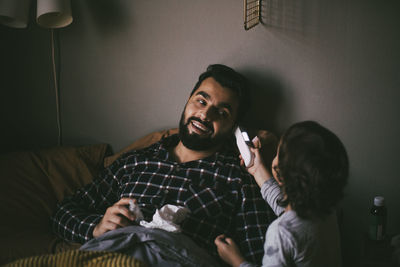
271	192
270	189
260	173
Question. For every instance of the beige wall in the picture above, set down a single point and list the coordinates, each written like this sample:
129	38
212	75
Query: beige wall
127	68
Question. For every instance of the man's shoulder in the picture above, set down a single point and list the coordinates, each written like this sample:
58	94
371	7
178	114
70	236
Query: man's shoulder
141	151
152	151
162	144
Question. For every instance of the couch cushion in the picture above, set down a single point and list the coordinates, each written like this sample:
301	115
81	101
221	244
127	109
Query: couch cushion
141	143
31	184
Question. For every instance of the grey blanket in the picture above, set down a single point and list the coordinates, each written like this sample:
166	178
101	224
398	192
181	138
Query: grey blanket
153	246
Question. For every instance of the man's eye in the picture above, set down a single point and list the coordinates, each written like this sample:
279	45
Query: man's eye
223	113
202	101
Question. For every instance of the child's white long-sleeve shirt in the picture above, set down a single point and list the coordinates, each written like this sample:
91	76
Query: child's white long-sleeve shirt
293	241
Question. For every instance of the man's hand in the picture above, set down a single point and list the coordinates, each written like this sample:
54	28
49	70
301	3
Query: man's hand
116	216
228	251
258	170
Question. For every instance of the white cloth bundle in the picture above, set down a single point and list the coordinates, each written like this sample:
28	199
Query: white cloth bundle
167	218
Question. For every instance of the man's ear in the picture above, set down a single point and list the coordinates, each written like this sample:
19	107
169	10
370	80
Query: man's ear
235	125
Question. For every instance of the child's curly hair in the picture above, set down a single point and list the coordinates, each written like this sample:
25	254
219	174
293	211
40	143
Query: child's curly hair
314	167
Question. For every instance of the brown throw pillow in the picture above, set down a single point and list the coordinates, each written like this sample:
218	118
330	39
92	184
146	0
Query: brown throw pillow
31	184
141	143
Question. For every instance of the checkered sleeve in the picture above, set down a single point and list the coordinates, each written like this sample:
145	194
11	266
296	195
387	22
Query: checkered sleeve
77	215
252	221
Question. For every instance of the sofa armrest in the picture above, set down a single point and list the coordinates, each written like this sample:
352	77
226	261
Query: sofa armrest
31	184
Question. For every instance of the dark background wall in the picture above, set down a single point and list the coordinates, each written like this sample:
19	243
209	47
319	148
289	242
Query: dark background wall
127	67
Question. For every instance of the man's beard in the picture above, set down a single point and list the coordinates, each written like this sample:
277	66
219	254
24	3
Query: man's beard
195	141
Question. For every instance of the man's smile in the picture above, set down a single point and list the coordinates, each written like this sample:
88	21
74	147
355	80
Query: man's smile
199	127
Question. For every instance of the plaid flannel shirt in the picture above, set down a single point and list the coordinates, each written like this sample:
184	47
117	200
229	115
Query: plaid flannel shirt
221	197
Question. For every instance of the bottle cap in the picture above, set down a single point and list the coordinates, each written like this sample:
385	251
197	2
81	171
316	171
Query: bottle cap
379	201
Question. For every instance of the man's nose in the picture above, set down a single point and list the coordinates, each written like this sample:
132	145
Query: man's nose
208	114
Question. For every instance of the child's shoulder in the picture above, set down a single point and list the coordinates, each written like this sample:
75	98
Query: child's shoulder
296	230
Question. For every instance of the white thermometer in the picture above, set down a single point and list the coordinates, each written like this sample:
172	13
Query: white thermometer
243	142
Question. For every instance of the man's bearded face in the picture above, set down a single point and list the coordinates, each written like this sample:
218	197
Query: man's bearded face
196	141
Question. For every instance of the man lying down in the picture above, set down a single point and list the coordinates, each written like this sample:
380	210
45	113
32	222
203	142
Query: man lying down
195	173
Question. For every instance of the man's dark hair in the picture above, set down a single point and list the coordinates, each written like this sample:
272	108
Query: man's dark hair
314	168
229	78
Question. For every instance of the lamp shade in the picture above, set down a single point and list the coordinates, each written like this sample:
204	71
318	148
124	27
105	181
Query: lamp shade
14	13
53	13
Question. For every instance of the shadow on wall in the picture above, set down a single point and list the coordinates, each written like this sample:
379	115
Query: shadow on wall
314	21
305	20
286	15
267	102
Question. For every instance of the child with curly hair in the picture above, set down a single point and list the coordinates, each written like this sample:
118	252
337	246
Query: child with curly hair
309	174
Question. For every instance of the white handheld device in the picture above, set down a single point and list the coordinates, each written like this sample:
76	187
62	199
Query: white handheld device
134	208
243	142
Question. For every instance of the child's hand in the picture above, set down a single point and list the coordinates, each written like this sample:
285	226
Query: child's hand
258	169
228	250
